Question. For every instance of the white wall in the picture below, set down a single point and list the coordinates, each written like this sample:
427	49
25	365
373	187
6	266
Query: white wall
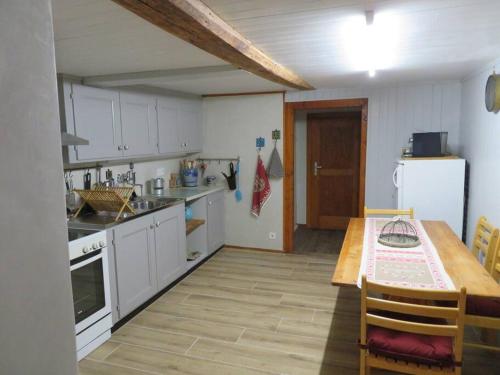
394	113
231	125
37	326
480	140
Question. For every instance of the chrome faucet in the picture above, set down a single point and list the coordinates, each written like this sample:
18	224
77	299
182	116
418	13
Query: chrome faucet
129	178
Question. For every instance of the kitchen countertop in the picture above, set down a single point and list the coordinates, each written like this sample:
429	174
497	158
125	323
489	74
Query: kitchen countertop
104	221
182	194
192	193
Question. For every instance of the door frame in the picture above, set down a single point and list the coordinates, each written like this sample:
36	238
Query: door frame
289	157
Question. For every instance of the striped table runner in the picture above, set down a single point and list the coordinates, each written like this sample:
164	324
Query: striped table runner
417	267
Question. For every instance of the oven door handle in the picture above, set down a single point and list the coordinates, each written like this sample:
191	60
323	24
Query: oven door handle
86	261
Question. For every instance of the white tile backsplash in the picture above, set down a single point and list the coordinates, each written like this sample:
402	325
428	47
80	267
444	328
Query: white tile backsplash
144	171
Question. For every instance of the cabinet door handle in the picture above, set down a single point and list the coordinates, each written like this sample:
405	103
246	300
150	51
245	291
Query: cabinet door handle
157	224
126	147
210	203
152	226
120	148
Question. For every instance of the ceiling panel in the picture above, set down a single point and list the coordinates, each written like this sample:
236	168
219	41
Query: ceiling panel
443	39
440	39
95	37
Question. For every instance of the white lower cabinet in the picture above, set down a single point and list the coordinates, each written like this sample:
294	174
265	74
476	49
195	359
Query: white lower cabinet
216	234
135	263
149	254
170	240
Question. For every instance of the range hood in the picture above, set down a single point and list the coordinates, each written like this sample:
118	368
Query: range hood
72	140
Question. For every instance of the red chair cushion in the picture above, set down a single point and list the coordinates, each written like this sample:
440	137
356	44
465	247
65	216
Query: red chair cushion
423	349
483	306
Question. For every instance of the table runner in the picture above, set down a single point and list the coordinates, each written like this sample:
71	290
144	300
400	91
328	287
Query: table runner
418	267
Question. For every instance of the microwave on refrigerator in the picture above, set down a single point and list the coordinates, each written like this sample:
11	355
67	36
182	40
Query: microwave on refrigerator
430	144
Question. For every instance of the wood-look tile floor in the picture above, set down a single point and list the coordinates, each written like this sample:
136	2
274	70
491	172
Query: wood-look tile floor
248	313
307	241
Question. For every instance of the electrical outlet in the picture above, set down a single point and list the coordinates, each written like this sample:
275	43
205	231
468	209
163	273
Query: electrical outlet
272	235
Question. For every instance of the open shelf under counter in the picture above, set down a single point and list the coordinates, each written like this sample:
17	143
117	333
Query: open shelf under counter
196	231
192	263
192	224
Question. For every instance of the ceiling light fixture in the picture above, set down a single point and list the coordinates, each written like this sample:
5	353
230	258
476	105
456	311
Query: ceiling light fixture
369	16
370	42
370	34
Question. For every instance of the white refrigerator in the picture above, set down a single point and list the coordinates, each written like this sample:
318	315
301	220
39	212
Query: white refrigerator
434	188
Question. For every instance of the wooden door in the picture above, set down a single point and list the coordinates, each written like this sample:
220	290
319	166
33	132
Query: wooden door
135	263
333	172
139	124
170	239
97	119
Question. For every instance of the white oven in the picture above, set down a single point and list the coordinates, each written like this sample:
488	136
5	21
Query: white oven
91	292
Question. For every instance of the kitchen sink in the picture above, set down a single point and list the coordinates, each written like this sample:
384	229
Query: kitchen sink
151	203
142	204
103	220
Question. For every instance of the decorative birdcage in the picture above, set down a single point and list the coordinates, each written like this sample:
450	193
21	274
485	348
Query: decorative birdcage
399	233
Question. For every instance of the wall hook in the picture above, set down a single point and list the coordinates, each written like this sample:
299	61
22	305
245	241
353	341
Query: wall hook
260	143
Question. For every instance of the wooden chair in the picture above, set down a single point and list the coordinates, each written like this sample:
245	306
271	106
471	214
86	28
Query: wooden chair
409	337
388	212
485	240
495	261
484	312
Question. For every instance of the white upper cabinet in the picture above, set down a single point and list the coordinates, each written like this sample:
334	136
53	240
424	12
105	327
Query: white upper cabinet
126	125
97	119
179	125
190	126
139	124
169	137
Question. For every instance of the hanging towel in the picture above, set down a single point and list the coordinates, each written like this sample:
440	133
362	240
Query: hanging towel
261	188
275	167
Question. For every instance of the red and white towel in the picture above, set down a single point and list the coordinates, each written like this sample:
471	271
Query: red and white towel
261	188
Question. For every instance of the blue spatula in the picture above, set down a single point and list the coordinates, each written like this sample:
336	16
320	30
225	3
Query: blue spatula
237	193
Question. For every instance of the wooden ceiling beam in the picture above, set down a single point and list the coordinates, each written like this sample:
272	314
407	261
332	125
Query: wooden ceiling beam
194	22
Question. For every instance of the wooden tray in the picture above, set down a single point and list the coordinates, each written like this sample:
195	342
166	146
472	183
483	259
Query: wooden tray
108	199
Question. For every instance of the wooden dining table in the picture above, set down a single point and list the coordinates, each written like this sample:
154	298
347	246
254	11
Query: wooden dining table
462	267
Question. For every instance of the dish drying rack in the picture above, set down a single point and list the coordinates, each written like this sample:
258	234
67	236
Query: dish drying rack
110	199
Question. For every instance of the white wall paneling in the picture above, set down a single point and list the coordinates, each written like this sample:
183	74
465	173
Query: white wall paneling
231	125
394	113
96	37
480	143
433	41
